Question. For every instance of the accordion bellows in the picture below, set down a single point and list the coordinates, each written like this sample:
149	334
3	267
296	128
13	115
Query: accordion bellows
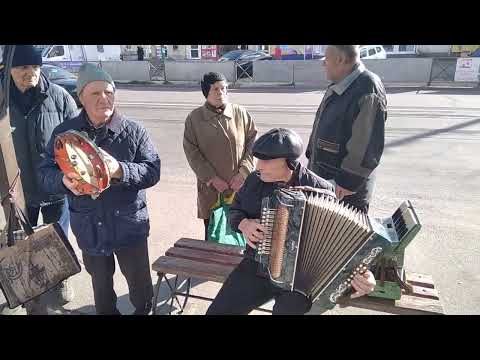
314	244
331	233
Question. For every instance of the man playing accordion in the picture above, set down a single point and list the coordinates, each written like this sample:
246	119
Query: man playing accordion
277	167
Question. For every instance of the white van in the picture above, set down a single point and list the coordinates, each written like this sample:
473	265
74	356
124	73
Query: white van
372	52
81	53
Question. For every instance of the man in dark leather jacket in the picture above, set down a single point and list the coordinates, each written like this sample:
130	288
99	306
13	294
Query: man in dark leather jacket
243	291
348	134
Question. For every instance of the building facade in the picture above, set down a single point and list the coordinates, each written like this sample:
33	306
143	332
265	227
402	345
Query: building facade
299	52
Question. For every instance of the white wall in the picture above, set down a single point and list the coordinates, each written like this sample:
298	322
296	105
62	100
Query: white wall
194	70
128	70
433	49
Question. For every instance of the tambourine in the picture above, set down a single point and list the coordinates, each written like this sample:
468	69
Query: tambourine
76	153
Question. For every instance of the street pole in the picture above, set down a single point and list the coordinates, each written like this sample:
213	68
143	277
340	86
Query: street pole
8	160
164	66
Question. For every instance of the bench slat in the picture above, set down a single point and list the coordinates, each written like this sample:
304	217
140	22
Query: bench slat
209	246
419	279
425	292
204	256
190	268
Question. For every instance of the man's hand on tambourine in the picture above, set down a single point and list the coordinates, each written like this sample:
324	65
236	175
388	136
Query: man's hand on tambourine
71	182
113	166
253	231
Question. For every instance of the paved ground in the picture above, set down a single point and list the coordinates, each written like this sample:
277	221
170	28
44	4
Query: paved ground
431	158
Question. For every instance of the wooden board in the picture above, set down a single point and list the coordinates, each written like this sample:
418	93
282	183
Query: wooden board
204	256
9	167
424	292
419	279
423	300
209	246
407	305
191	268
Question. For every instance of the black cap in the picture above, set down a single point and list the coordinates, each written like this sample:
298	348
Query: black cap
26	55
278	143
209	79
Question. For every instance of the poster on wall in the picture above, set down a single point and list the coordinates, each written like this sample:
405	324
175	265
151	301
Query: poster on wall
209	52
289	52
467	69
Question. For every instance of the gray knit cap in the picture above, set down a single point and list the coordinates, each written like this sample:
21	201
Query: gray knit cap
90	72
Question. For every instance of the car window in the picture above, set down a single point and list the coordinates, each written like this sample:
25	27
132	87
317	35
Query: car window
363	53
56	51
371	52
379	49
55	73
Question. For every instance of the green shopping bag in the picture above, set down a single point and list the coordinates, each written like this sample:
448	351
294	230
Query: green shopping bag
219	230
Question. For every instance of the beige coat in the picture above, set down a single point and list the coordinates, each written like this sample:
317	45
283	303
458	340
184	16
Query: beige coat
218	145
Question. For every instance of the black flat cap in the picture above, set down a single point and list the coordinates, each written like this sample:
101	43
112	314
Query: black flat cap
278	143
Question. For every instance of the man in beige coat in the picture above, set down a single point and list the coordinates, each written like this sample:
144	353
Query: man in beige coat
217	141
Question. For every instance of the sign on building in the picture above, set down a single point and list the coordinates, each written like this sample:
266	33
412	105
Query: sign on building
209	52
467	69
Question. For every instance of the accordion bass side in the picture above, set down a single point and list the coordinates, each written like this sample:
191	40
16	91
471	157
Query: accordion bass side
315	245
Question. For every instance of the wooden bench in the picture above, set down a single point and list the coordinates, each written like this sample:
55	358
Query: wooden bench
207	261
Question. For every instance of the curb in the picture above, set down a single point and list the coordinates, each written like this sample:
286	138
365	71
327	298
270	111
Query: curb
179	85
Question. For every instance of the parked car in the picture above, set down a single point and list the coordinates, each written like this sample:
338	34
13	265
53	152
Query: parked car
245	59
63	78
242	56
372	52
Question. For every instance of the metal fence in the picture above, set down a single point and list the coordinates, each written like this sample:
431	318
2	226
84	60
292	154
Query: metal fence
443	70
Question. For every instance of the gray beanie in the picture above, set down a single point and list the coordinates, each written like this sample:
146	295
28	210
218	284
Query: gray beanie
89	72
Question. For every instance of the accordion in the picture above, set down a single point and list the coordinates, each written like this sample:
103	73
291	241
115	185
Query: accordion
315	245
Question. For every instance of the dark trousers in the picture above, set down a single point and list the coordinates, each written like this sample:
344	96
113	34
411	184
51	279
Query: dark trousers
57	212
243	291
135	266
